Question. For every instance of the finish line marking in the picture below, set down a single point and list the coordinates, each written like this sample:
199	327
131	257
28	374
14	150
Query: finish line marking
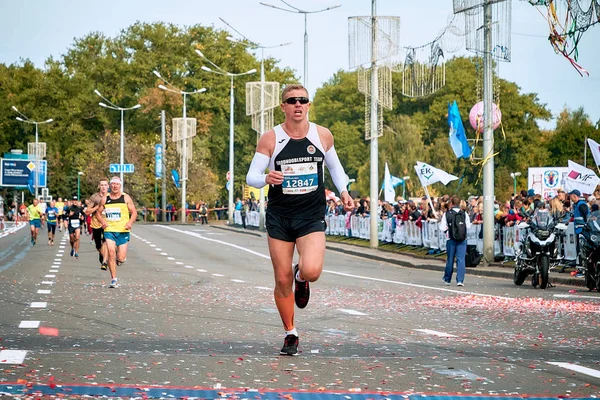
577	368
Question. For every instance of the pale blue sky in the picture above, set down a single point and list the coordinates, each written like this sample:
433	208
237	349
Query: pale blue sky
36	29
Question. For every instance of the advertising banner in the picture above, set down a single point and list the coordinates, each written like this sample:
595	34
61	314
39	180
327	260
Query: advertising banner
547	180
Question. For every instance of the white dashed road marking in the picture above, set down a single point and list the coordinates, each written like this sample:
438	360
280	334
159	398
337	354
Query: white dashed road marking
577	368
434	333
38	304
43	291
217	275
29	324
237	280
351	312
12	356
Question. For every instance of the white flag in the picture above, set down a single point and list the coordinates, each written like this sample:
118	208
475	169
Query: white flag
581	178
389	193
595	148
428	174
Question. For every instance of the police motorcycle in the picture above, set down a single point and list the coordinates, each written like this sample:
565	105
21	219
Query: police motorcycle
539	249
589	251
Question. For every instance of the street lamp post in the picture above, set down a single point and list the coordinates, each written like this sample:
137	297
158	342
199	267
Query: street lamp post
404	179
254	45
231	75
78	185
122	110
171	88
514	176
296	10
23	118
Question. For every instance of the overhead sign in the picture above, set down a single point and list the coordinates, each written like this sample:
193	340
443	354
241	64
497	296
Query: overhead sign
16	173
125	168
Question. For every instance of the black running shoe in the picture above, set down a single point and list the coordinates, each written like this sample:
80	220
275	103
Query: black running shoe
290	346
104	266
302	291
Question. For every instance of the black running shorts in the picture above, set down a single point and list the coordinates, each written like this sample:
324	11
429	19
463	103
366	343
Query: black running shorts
98	236
290	229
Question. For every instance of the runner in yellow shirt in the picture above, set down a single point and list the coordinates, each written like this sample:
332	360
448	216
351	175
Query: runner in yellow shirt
120	214
34	213
60	204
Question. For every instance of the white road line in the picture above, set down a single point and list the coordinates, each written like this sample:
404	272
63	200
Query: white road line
61	247
170	258
262	288
57	259
435	333
38	304
189	267
12	356
199	270
29	324
49	276
152	245
163	254
44	291
178	263
157	249
215	240
351	312
577	368
47	283
217	275
576	296
238	281
436	288
53	270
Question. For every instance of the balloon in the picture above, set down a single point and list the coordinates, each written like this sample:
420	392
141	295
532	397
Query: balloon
476	116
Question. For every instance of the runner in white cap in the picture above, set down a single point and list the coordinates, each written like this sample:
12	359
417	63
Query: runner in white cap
117	219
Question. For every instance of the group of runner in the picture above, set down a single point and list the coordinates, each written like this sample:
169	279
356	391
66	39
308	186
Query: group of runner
112	215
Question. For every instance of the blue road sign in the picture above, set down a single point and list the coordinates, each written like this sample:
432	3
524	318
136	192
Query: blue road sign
117	168
128	168
15	173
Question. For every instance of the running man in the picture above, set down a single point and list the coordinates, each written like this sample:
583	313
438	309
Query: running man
93	204
35	223
51	220
116	216
68	205
60	205
74	225
295	152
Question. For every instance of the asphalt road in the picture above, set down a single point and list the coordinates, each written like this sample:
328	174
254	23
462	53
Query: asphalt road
194	316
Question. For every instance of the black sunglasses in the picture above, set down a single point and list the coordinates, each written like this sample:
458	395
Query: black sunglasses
293	100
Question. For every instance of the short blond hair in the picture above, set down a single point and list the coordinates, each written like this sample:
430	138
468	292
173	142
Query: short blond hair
289	88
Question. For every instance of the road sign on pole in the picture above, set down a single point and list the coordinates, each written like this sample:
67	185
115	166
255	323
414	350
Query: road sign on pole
125	168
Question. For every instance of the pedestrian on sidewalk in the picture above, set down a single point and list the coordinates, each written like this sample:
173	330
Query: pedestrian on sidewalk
455	223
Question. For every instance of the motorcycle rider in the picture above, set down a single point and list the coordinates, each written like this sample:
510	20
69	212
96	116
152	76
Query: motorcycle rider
580	212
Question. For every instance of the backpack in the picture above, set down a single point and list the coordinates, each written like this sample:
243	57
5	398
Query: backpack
457	225
472	257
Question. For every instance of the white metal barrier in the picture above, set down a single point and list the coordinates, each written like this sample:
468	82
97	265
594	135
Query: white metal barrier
429	235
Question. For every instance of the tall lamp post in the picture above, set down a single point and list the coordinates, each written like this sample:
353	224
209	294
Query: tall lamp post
78	184
514	176
404	179
112	106
231	75
296	10
26	120
171	88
